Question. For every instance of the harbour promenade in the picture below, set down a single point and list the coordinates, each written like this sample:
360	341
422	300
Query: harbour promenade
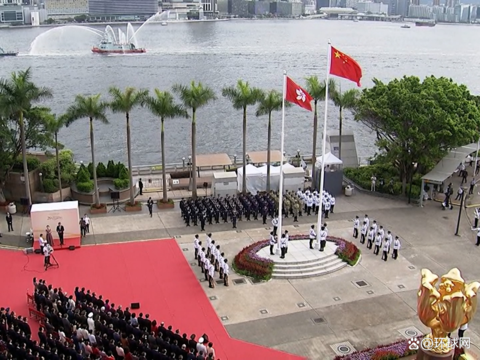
315	317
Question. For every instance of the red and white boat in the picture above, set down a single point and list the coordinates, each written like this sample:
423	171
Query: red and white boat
110	47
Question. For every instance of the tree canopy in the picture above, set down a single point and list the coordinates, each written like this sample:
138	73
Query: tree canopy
416	122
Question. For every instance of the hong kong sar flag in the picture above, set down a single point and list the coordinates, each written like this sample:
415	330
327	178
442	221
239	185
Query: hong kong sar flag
295	94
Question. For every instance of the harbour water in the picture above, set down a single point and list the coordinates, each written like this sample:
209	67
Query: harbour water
218	54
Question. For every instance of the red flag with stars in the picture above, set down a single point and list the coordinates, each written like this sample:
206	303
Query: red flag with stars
344	66
295	94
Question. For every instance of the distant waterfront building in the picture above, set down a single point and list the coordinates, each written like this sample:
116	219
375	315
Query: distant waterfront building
281	8
436	3
209	7
120	9
66	7
258	7
372	8
402	7
420	11
414	2
11	12
323	4
238	7
351	4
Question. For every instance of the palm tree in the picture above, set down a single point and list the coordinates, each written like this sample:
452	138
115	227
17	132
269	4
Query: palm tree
163	106
55	124
241	97
270	102
17	95
345	100
317	89
194	97
93	108
124	103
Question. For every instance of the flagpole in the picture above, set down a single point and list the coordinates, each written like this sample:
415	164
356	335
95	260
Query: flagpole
282	140
324	145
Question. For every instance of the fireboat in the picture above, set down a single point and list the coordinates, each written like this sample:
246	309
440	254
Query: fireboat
110	47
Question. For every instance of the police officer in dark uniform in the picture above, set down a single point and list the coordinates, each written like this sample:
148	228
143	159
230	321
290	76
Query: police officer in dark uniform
234	219
150	206
202	221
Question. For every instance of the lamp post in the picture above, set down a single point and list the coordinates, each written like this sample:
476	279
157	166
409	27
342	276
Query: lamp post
235	159
41	182
190	173
298	157
183	163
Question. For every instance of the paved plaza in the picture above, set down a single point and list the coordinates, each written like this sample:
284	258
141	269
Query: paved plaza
372	303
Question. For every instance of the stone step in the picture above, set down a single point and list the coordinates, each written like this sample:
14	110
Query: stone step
307	273
303	263
307	264
301	270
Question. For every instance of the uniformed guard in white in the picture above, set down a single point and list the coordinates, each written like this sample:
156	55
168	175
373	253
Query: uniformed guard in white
356	226
217	256
389	238
201	258
396	247
325	228
367	220
209	239
375	226
317	201
323	238
327	208
220	265
283	246
378	243
371	237
287	238
385	251
312	236
476	213
275	225
382	232
196	246
309	204
226	272
272	243
47	251
332	204
364	233
211	274
212	252
206	265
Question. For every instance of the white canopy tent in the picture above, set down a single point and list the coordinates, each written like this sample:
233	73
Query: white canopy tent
257	177
330	159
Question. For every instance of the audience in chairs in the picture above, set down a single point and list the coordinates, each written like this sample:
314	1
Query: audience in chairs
85	326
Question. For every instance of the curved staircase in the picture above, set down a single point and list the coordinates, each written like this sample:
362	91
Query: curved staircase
302	262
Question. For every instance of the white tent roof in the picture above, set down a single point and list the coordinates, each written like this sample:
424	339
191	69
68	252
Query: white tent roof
447	166
330	159
65	205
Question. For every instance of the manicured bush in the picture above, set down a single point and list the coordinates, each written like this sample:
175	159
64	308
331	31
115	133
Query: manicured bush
83	175
90	170
111	170
32	163
67	167
120	169
121	184
101	170
86	187
50	186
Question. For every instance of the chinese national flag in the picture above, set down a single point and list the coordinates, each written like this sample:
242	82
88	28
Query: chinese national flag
295	94
345	67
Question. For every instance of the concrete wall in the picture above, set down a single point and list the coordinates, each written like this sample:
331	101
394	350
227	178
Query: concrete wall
15	188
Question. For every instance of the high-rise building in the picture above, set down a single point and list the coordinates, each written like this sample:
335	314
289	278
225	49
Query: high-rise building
402	7
436	3
323	3
414	2
66	7
122	8
11	12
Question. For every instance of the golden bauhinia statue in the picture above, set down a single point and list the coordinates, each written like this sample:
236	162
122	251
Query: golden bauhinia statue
445	308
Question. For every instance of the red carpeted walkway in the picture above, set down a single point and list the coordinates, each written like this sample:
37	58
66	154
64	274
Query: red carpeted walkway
153	273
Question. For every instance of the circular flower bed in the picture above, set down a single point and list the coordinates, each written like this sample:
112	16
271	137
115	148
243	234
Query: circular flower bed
247	262
396	350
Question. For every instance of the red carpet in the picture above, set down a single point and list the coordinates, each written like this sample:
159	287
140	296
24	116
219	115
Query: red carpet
72	241
154	273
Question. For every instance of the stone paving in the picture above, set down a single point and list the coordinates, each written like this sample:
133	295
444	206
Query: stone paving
357	307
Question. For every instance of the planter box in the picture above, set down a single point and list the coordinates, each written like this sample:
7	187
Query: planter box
162	205
104	192
133	208
40	197
102	210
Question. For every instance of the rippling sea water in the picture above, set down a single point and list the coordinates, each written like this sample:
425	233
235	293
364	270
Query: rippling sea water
218	54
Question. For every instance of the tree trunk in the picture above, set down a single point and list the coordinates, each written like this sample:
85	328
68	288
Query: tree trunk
28	194
340	129
129	159
194	155
314	150
164	171
269	148
94	165
244	175
58	166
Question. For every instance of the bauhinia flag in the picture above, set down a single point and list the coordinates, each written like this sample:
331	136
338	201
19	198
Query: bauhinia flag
295	94
344	66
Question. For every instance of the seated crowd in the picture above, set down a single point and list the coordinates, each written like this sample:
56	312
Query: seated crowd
85	326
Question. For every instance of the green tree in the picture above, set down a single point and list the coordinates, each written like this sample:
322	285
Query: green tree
416	122
55	125
163	105
242	96
194	97
124	102
344	100
270	102
317	89
93	108
17	96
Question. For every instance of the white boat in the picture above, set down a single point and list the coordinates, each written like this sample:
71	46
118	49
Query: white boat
405	26
164	23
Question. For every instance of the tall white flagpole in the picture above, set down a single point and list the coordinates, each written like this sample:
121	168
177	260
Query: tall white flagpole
324	145
282	140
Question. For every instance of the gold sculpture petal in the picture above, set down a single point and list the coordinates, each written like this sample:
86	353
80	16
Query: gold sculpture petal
446	308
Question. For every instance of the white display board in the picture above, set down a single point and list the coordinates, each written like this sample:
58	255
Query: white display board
51	214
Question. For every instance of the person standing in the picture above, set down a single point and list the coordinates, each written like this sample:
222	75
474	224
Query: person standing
206	266
378	243
41	243
275	225
366	220
323	238
140	186
150	207
226	272
47	251
272	243
364	232
283	246
472	186
287	238
461	330
373	181
87	223
356	225
371	237
60	232
476	213
296	209
396	247
478	237
196	246
9	219
332	204
234	219
312	236
82	227
389	239
327	207
211	274
386	247
309	205
49	236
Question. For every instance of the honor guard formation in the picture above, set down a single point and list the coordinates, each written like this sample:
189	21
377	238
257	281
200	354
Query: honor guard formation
211	260
376	237
216	209
87	326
